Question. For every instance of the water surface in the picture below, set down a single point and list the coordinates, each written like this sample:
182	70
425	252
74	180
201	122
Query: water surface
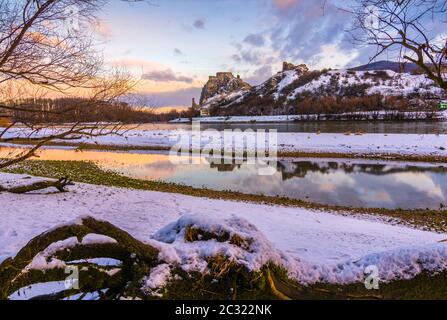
357	183
417	127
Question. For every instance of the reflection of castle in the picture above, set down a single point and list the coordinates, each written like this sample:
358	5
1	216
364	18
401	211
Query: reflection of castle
224	167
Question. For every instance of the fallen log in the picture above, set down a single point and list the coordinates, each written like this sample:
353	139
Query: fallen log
60	185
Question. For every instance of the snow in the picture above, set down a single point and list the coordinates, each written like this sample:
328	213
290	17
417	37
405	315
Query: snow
288	78
398	84
426	144
92	238
231	97
312	245
37	290
384	82
158	278
44	288
362	143
365	115
44	261
104	262
193	254
406	144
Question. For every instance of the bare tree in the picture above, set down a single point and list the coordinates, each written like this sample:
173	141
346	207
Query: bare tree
48	46
407	29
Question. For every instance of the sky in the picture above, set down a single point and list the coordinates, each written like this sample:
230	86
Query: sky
174	45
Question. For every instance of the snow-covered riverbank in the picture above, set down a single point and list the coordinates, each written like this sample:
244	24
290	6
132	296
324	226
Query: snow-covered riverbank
404	144
287	142
379	115
312	245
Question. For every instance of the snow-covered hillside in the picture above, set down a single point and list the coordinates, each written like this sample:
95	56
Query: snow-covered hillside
386	83
295	82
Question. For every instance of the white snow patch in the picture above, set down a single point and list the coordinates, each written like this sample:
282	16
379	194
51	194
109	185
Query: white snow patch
158	278
194	254
93	238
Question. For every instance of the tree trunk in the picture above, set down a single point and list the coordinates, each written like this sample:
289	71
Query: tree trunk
59	185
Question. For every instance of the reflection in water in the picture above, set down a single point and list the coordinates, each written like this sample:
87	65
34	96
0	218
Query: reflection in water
418	127
357	183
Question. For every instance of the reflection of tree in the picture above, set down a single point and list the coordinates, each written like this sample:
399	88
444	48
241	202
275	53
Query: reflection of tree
299	169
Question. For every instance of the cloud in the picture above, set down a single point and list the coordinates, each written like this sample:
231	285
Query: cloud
136	65
199	24
304	28
256	40
251	56
165	76
284	4
332	56
260	75
103	29
236	58
178	52
175	98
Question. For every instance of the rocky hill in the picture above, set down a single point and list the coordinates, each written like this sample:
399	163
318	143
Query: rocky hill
223	87
296	89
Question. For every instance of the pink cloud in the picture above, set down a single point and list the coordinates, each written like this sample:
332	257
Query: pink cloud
285	4
103	29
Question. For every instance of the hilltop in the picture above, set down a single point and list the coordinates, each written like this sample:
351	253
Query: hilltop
298	90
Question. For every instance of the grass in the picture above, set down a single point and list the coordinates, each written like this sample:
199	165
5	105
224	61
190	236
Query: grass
88	172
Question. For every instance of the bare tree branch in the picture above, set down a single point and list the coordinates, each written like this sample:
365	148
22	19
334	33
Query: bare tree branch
406	26
48	45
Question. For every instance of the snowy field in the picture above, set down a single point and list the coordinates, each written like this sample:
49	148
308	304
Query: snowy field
312	245
403	144
409	144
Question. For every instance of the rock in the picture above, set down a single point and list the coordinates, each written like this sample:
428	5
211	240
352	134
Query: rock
286	66
222	83
301	68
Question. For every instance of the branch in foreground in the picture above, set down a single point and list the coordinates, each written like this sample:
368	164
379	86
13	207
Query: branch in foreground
60	185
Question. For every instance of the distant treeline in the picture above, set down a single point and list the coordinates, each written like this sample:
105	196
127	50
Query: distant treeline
69	110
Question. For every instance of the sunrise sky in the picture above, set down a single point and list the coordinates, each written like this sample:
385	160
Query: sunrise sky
174	45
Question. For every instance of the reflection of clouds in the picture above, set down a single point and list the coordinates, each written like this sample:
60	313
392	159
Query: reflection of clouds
332	180
379	196
318	181
421	182
269	185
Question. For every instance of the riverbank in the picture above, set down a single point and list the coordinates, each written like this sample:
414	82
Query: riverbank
88	172
411	147
358	116
313	246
